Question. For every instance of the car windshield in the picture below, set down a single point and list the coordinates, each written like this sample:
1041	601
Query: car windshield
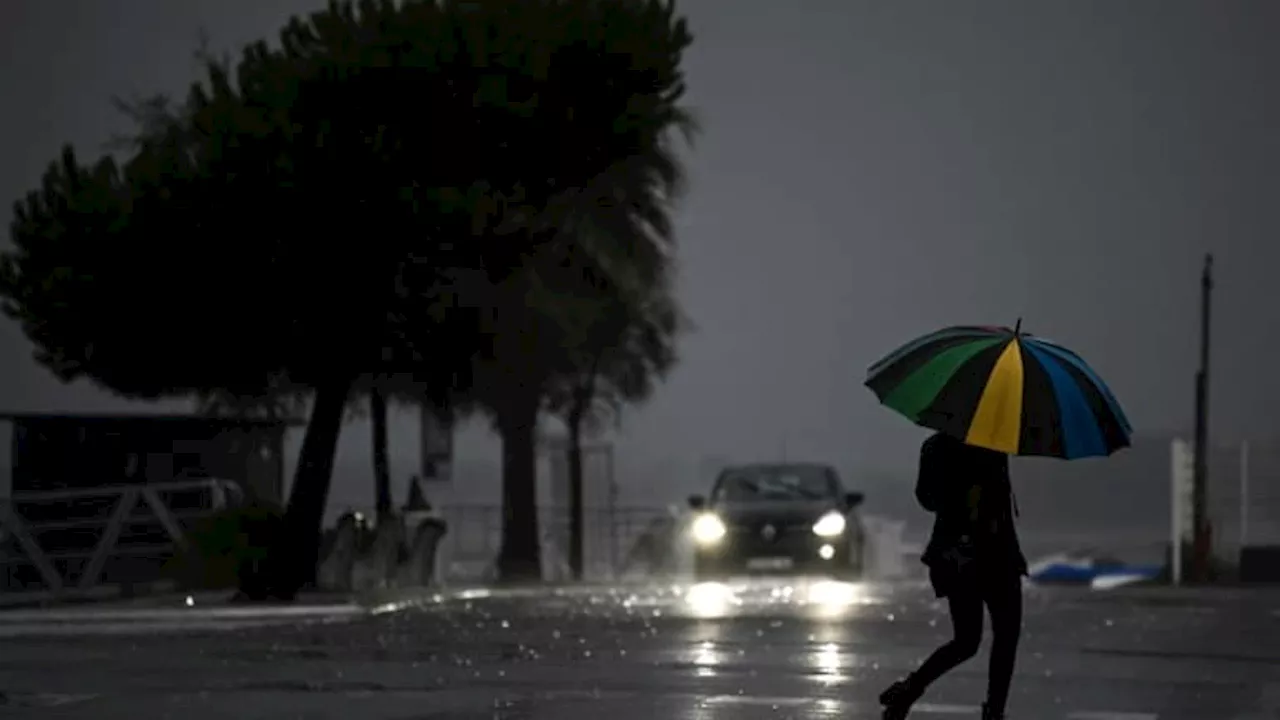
755	484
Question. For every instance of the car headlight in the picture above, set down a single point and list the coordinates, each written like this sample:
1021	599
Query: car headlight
829	525
708	529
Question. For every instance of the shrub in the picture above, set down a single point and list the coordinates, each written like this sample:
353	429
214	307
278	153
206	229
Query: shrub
224	548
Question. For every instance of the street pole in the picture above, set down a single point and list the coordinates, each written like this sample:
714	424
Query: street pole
612	481
1244	494
1177	453
1201	537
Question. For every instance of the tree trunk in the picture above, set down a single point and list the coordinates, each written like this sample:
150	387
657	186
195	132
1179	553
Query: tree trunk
583	396
520	558
381	463
294	553
574	422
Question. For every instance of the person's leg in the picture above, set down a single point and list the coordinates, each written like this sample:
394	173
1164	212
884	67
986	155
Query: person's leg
966	624
965	605
1003	597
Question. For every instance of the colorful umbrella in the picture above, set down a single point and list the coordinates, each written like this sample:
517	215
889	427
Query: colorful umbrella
1004	390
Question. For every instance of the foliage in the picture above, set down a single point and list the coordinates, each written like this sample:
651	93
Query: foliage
221	548
371	196
627	346
604	218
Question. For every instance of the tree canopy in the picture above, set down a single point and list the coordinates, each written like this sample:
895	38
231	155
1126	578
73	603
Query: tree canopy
374	193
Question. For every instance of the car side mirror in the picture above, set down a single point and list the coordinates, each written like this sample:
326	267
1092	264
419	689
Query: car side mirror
853	499
697	502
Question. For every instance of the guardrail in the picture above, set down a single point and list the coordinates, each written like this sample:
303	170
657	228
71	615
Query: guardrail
46	530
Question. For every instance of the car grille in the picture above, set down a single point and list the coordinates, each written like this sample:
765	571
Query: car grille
755	534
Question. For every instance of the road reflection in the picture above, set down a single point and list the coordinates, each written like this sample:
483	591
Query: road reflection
818	597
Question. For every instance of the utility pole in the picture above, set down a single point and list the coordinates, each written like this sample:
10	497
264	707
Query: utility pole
1202	538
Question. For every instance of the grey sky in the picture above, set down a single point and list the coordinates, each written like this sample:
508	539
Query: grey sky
868	171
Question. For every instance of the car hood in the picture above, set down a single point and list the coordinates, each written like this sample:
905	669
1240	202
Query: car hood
781	511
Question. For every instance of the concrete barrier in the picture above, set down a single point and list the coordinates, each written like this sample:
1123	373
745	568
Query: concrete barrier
419	568
334	571
376	568
395	558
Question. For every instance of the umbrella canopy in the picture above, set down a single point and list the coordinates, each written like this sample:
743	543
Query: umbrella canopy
1004	390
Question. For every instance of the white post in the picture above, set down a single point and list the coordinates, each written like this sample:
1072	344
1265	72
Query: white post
1244	494
1175	555
1177	469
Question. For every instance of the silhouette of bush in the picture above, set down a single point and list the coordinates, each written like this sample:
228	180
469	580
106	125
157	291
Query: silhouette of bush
225	549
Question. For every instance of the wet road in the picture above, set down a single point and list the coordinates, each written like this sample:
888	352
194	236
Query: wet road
779	649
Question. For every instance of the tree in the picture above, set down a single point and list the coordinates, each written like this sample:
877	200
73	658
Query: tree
290	180
279	402
363	198
283	402
611	93
384	391
627	344
384	505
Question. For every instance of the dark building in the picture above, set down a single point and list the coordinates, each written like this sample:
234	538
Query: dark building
52	454
63	452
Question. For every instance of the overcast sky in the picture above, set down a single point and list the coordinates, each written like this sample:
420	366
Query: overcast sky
868	171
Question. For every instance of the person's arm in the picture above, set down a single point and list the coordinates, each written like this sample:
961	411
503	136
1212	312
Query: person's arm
929	480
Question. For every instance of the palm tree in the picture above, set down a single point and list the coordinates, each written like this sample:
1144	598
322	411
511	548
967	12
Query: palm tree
602	199
628	348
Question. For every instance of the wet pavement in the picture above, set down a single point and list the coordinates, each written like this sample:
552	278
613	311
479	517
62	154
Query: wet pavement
766	649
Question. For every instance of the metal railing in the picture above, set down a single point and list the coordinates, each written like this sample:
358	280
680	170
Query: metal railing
65	541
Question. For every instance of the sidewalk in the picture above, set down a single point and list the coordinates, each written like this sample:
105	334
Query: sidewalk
162	596
1170	594
175	614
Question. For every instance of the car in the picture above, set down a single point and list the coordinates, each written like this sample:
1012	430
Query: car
777	518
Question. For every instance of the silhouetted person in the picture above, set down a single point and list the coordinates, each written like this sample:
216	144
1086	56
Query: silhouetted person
974	560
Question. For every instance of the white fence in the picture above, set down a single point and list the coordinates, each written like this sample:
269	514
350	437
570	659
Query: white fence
39	532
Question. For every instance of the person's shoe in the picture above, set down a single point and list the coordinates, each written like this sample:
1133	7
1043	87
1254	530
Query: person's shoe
989	714
898	698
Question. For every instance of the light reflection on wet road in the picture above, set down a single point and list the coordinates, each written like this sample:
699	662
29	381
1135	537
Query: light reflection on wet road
760	649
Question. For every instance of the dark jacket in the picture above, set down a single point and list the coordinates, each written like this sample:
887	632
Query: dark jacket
968	491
